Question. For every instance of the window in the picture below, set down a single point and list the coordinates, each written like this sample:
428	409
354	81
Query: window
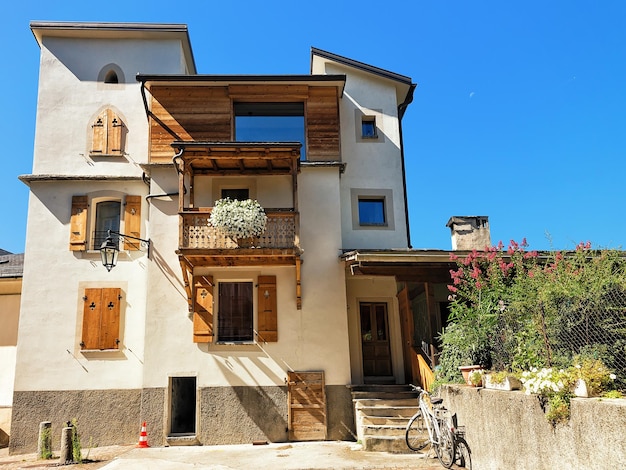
270	122
99	217
368	127
107	218
101	318
111	77
235	317
236	314
107	135
240	194
372	211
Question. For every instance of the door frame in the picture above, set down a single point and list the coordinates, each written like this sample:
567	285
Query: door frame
391	378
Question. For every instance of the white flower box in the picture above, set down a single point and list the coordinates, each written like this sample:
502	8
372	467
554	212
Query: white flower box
509	383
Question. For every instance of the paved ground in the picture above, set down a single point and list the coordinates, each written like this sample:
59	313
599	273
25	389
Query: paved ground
287	456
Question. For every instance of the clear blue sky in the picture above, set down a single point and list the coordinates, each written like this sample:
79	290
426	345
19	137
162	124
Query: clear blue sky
519	114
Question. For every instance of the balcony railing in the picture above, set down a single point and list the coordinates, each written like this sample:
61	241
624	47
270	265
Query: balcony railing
197	232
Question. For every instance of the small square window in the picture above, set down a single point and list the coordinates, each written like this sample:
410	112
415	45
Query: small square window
372	211
368	127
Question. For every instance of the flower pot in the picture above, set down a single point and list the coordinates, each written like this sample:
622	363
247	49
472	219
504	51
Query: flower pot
465	371
509	383
580	389
245	242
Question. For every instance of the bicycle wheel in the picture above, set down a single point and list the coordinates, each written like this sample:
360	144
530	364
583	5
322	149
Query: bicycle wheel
416	435
463	455
446	448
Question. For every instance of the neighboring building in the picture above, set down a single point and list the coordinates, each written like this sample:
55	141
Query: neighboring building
207	339
10	291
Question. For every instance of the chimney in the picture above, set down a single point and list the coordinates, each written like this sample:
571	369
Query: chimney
469	232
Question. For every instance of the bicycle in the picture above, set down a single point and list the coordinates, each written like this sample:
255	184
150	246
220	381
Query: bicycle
433	425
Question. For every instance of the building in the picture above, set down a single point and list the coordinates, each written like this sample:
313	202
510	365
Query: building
207	338
10	291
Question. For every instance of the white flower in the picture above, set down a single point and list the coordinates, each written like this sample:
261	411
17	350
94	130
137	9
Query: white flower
612	376
238	219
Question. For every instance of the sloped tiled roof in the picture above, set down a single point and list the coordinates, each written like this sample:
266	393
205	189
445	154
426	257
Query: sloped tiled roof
11	265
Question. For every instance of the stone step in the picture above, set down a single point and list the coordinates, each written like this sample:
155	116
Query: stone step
384	395
387	430
385	420
382	402
386	444
387	411
378	388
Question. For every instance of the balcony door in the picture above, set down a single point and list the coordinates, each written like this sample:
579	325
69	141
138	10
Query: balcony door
375	343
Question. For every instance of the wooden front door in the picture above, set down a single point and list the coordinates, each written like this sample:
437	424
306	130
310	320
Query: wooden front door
375	342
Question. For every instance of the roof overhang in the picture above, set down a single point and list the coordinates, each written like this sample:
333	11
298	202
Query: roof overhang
405	265
237	158
404	85
149	80
104	30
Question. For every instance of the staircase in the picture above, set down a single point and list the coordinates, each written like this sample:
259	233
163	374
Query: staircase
382	413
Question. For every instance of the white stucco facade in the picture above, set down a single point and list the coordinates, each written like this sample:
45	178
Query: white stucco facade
138	377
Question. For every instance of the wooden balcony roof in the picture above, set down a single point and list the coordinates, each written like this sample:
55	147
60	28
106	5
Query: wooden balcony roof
229	158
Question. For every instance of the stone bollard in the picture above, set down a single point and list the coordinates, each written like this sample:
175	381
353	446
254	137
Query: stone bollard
44	444
66	445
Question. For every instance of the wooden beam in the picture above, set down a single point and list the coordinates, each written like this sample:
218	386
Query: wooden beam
298	284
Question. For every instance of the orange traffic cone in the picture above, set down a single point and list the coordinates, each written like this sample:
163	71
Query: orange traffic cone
143	437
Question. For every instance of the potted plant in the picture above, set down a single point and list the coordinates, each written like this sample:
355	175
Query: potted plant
590	377
475	377
502	380
238	219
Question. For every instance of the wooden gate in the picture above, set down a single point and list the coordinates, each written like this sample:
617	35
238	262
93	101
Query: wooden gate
307	406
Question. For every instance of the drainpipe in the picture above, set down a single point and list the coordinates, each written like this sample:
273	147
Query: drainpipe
401	109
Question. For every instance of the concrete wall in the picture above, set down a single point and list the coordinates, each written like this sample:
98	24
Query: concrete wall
509	430
105	417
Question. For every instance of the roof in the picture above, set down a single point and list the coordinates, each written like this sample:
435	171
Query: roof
360	65
11	265
404	264
404	85
103	30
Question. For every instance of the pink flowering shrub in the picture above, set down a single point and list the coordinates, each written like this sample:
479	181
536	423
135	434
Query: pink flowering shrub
510	307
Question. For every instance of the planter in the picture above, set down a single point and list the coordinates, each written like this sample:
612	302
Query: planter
509	383
465	371
580	389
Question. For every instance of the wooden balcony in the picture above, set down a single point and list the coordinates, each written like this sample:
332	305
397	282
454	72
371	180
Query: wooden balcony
204	245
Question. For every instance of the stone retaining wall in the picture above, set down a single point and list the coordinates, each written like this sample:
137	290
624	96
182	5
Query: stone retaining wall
509	430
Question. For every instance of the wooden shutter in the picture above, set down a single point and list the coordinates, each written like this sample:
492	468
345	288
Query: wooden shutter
101	318
107	134
132	222
203	309
78	224
267	305
114	131
99	135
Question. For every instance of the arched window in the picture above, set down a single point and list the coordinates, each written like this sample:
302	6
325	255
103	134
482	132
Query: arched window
111	77
111	74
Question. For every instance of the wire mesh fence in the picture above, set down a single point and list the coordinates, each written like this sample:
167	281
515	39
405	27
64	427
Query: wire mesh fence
559	331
